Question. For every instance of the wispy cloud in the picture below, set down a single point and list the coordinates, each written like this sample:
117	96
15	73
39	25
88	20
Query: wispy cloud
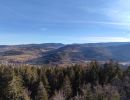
117	24
43	29
13	11
116	13
105	39
91	39
119	11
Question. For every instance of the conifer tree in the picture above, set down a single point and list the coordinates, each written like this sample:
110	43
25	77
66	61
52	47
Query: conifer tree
58	96
5	76
15	90
67	88
41	92
43	78
94	72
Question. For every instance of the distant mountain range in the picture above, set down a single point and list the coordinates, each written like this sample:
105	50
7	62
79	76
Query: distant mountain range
57	53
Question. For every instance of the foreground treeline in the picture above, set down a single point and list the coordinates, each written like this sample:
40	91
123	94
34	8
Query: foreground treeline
91	82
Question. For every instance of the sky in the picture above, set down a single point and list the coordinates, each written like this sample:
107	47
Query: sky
64	21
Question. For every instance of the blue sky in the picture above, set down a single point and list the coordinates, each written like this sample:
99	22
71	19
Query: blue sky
64	21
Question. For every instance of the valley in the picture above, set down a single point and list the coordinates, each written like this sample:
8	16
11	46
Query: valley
57	53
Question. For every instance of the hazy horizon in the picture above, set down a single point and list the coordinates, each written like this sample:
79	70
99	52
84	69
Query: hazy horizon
61	43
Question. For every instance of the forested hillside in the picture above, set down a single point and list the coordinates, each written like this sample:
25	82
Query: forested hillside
76	53
92	81
57	53
23	53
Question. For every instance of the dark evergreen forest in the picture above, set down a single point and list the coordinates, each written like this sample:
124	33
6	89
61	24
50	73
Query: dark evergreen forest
93	81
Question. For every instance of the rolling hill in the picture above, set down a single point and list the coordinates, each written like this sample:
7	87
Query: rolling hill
23	53
85	52
57	53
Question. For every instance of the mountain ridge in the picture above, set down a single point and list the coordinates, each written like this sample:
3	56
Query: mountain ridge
58	53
